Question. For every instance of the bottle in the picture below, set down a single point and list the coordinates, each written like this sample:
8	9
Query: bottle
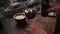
45	6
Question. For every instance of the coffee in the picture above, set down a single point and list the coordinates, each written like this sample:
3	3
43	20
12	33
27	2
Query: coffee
20	17
30	14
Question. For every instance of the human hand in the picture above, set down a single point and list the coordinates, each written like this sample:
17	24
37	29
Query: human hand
35	29
54	7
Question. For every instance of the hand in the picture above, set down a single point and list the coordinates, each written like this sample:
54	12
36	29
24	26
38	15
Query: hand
54	7
35	29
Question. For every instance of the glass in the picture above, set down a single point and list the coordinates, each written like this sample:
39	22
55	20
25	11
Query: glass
30	14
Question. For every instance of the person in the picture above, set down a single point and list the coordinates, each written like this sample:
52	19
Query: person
56	7
53	7
35	29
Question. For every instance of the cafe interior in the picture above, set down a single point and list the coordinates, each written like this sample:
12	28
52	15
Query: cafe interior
29	17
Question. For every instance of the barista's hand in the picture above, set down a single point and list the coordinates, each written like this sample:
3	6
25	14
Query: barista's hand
35	29
54	7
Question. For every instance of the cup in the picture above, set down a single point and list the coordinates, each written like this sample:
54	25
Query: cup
20	18
30	14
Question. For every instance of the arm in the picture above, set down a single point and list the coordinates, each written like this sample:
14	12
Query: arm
54	7
35	29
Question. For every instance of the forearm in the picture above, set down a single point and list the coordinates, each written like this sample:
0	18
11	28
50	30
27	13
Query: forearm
41	31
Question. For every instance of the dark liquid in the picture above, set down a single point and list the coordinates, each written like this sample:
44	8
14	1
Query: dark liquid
30	15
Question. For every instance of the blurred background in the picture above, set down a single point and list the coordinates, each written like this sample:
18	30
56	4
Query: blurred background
35	10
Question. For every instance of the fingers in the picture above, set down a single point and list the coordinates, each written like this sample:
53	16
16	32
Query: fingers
50	9
53	4
53	8
34	28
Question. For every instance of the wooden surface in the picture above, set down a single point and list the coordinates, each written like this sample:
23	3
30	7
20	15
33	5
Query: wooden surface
47	23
